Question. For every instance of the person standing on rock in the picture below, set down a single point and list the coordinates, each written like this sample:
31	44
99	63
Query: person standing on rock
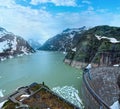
87	70
116	105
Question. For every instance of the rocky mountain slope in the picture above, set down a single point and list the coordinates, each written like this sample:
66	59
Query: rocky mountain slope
12	45
99	45
34	43
64	41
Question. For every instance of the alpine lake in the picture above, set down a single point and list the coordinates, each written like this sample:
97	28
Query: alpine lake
42	66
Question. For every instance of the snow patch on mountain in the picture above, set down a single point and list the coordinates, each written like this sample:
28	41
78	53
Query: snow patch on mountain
24	50
74	49
72	35
3	46
112	40
14	43
19	55
6	44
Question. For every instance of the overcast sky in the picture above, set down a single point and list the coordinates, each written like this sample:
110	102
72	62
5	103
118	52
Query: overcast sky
43	19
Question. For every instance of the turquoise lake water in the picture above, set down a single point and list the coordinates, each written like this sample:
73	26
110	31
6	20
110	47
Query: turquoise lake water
38	67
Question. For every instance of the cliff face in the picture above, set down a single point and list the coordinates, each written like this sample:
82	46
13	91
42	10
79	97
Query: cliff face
107	58
99	45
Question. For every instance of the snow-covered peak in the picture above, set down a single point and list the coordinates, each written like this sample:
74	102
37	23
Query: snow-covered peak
3	32
112	40
12	45
64	41
74	30
71	32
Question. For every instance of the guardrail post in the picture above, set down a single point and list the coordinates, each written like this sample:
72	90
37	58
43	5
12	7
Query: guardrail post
101	107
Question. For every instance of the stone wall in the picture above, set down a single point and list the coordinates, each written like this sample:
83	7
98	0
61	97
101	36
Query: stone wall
104	84
76	64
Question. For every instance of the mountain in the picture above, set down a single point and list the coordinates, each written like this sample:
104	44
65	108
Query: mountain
63	41
12	45
99	45
34	43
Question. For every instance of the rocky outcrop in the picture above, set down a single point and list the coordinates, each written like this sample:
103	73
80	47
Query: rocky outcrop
99	45
64	41
12	45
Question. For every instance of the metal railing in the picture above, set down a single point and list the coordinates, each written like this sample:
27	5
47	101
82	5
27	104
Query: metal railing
93	94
